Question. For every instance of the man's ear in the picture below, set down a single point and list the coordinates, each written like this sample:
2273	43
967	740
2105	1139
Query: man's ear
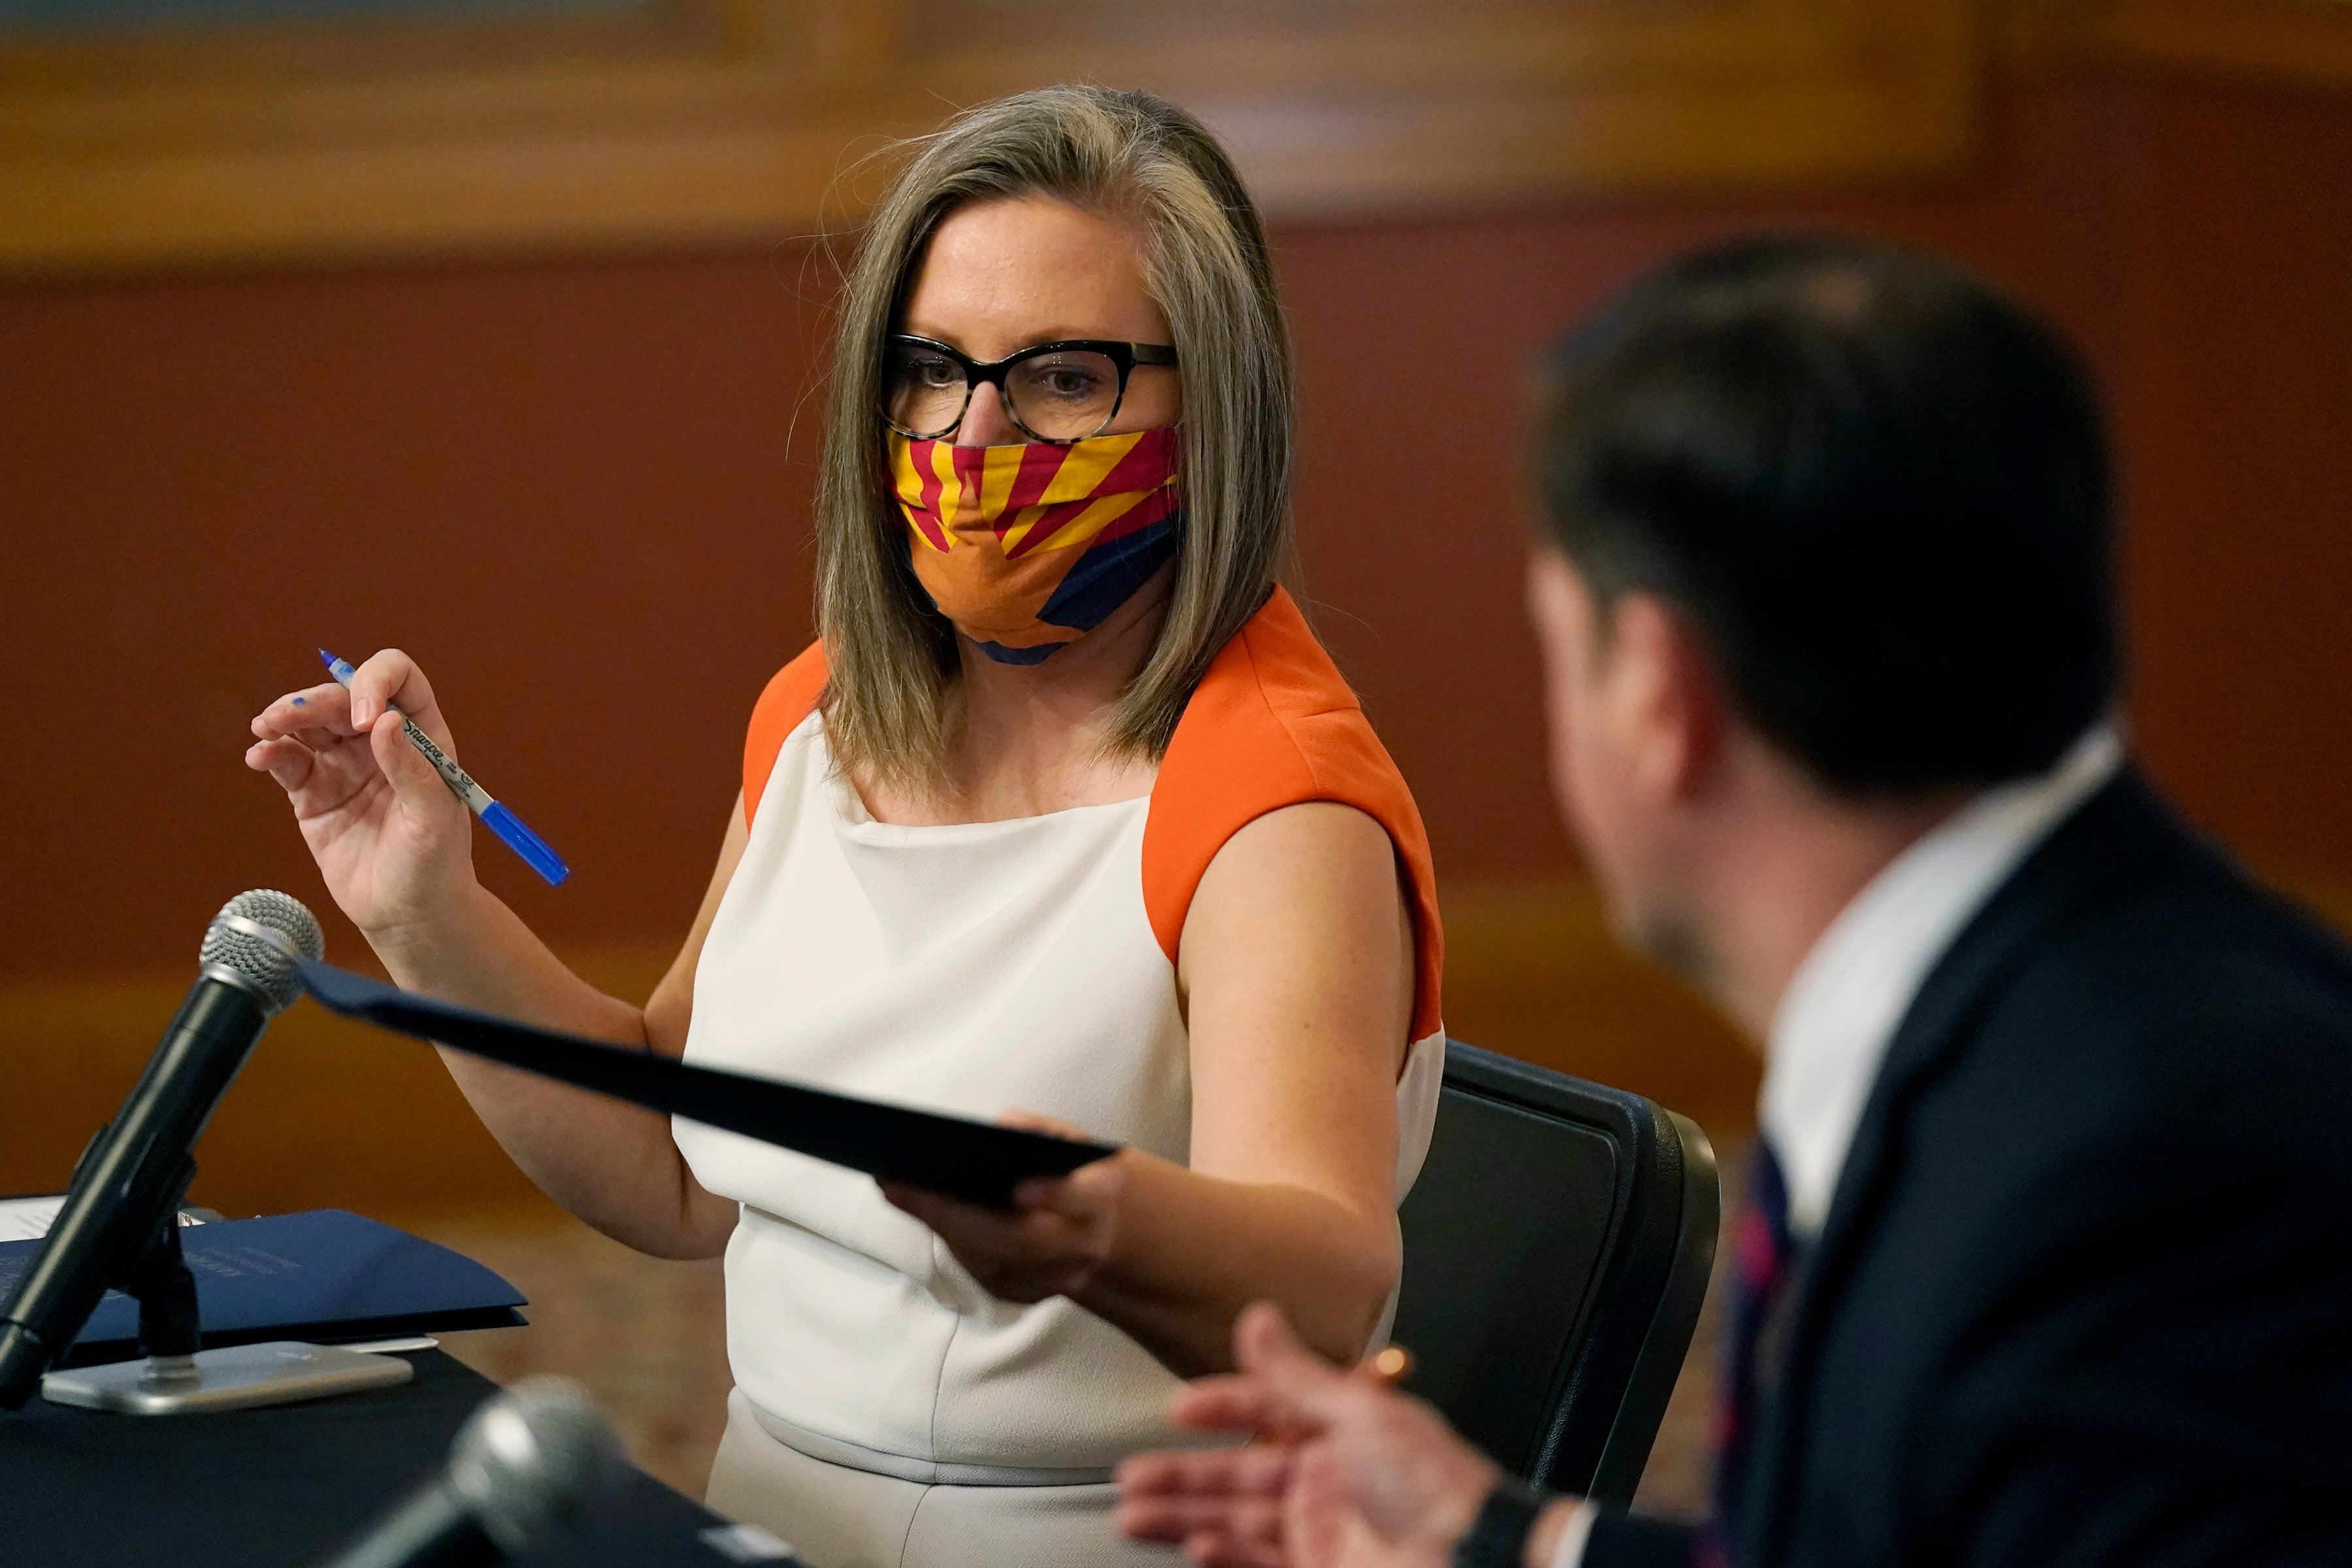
1668	696
1557	606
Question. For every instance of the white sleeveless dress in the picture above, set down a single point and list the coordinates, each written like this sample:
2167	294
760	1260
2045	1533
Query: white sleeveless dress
889	1413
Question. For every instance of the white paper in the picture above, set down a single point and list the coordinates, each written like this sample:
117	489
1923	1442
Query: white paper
28	1219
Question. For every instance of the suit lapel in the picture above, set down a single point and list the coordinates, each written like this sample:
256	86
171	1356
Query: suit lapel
2112	830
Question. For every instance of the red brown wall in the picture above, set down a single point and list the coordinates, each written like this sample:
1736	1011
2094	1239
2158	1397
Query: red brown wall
577	491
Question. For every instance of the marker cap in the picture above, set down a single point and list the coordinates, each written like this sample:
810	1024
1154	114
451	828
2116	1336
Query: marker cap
525	843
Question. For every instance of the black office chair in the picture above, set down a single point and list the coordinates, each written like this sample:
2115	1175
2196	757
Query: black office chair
1556	1251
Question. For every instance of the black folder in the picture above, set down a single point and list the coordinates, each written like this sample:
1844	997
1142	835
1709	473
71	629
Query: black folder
975	1160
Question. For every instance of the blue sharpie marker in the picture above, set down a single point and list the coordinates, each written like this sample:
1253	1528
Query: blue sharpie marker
496	817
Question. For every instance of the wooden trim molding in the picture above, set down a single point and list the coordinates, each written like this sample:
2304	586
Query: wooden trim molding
2303	40
703	120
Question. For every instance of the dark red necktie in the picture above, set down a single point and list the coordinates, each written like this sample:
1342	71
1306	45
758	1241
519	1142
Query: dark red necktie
1763	1268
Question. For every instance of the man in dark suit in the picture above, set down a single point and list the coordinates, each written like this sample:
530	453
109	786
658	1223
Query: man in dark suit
2049	1256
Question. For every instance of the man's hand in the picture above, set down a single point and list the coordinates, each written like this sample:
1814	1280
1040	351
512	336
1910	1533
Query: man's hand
1350	1476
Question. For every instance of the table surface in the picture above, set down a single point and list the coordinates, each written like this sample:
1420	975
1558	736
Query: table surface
258	1488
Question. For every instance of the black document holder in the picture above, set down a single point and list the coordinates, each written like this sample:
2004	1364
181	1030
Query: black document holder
975	1160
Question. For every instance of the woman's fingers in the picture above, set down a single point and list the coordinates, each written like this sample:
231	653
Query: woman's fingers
1087	1194
285	759
414	779
387	682
934	1209
319	770
1025	1256
1031	1122
390	679
315	737
312	709
1034	1233
974	1234
1048	1213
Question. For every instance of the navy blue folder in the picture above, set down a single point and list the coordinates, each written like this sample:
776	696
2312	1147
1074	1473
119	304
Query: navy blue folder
320	1276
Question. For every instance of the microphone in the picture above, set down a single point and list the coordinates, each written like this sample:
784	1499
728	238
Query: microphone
129	1180
521	1475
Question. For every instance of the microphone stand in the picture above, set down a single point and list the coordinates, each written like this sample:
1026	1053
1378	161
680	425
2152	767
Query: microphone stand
170	1329
120	1225
175	1375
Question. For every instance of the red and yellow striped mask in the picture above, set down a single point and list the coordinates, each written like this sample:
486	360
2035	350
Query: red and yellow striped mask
1026	549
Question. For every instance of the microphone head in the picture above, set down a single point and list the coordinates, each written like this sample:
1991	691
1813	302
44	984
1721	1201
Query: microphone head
530	1462
255	938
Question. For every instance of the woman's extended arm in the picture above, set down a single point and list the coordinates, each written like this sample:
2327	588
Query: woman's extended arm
1297	969
395	847
613	1164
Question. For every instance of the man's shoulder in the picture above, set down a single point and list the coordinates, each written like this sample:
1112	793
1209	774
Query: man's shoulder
2175	966
2173	1005
2129	1013
2109	1207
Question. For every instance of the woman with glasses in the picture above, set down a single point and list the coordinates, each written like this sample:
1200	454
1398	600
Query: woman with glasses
1067	819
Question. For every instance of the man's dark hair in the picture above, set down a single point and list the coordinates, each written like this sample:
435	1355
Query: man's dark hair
1877	486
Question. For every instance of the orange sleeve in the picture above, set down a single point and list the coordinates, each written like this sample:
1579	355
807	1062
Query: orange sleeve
1273	724
790	696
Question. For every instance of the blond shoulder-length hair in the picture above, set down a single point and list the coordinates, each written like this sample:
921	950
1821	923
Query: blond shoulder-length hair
891	654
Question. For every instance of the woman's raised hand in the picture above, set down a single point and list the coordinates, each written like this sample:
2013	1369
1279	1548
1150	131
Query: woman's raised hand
395	844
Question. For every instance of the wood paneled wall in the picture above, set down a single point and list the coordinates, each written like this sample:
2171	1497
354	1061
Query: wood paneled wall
714	120
2296	40
577	489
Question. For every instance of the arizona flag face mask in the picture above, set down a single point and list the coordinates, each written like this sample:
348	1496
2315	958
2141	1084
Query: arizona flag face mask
1026	549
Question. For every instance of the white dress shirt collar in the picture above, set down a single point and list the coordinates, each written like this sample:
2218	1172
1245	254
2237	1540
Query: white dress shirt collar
1840	1010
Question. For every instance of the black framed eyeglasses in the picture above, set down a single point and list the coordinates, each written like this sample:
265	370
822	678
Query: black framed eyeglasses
1056	393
